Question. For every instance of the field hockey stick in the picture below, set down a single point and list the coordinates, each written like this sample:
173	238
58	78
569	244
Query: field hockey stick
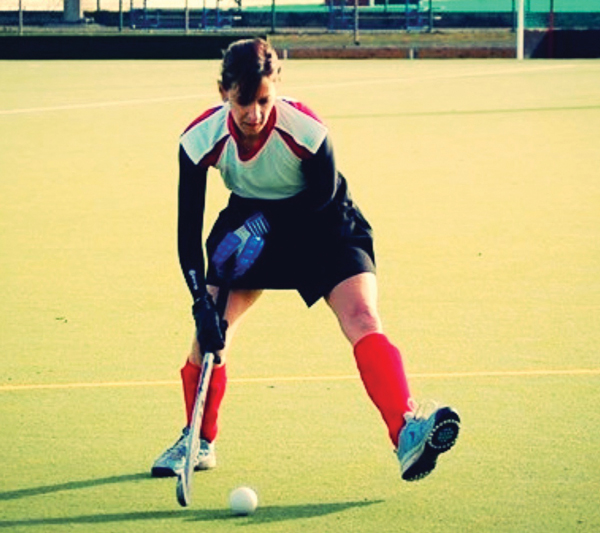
184	478
234	255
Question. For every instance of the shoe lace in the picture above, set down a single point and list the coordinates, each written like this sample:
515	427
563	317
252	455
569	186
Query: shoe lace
205	448
420	411
178	449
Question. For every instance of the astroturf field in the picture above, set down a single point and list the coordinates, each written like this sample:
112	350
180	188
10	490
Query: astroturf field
481	179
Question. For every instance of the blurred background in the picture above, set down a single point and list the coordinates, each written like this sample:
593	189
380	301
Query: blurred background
282	15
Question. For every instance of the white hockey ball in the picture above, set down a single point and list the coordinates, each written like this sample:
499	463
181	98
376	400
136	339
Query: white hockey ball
243	501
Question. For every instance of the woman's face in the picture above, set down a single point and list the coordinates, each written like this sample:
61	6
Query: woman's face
252	118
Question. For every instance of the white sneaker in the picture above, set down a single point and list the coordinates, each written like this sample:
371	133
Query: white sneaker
172	460
206	458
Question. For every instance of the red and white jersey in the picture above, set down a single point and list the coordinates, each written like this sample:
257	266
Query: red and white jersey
273	170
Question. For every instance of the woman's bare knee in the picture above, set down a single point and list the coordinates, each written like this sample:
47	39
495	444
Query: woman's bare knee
354	302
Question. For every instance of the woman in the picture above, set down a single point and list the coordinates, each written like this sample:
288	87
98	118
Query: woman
276	157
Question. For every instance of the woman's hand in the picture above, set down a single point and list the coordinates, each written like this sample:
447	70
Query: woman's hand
210	327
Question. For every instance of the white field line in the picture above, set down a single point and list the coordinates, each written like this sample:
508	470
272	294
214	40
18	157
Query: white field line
284	379
366	81
434	77
99	105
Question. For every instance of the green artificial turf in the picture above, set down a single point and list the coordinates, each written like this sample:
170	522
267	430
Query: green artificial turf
481	181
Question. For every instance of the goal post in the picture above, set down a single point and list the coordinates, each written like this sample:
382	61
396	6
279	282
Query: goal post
520	29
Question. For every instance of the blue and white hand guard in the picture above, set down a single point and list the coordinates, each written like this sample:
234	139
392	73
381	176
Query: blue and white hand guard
246	243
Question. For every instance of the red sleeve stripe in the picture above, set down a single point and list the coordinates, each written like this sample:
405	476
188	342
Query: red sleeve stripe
202	117
304	109
210	159
299	151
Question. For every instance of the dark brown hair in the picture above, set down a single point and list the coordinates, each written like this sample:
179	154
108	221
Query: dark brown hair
245	64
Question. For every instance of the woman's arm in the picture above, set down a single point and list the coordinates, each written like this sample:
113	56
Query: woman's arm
321	176
192	196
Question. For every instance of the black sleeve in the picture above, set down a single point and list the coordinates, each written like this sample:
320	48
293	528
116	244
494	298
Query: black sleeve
321	176
192	195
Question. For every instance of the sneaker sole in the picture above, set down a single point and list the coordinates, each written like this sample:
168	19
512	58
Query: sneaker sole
162	471
205	465
442	437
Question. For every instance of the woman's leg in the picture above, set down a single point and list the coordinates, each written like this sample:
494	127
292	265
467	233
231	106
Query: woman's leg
354	302
238	303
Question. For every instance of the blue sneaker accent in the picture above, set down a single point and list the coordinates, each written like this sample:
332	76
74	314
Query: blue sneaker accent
423	438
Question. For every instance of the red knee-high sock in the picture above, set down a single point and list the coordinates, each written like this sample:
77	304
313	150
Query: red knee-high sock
216	391
190	376
380	366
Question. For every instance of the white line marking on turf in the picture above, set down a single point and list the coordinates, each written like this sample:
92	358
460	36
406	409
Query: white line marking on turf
98	105
434	77
284	379
90	385
364	81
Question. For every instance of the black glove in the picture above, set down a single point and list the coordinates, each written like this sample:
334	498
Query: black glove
210	327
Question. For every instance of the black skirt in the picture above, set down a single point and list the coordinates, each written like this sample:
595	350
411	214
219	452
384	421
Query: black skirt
305	250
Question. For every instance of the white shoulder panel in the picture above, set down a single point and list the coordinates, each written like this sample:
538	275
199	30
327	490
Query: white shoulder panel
201	137
294	119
